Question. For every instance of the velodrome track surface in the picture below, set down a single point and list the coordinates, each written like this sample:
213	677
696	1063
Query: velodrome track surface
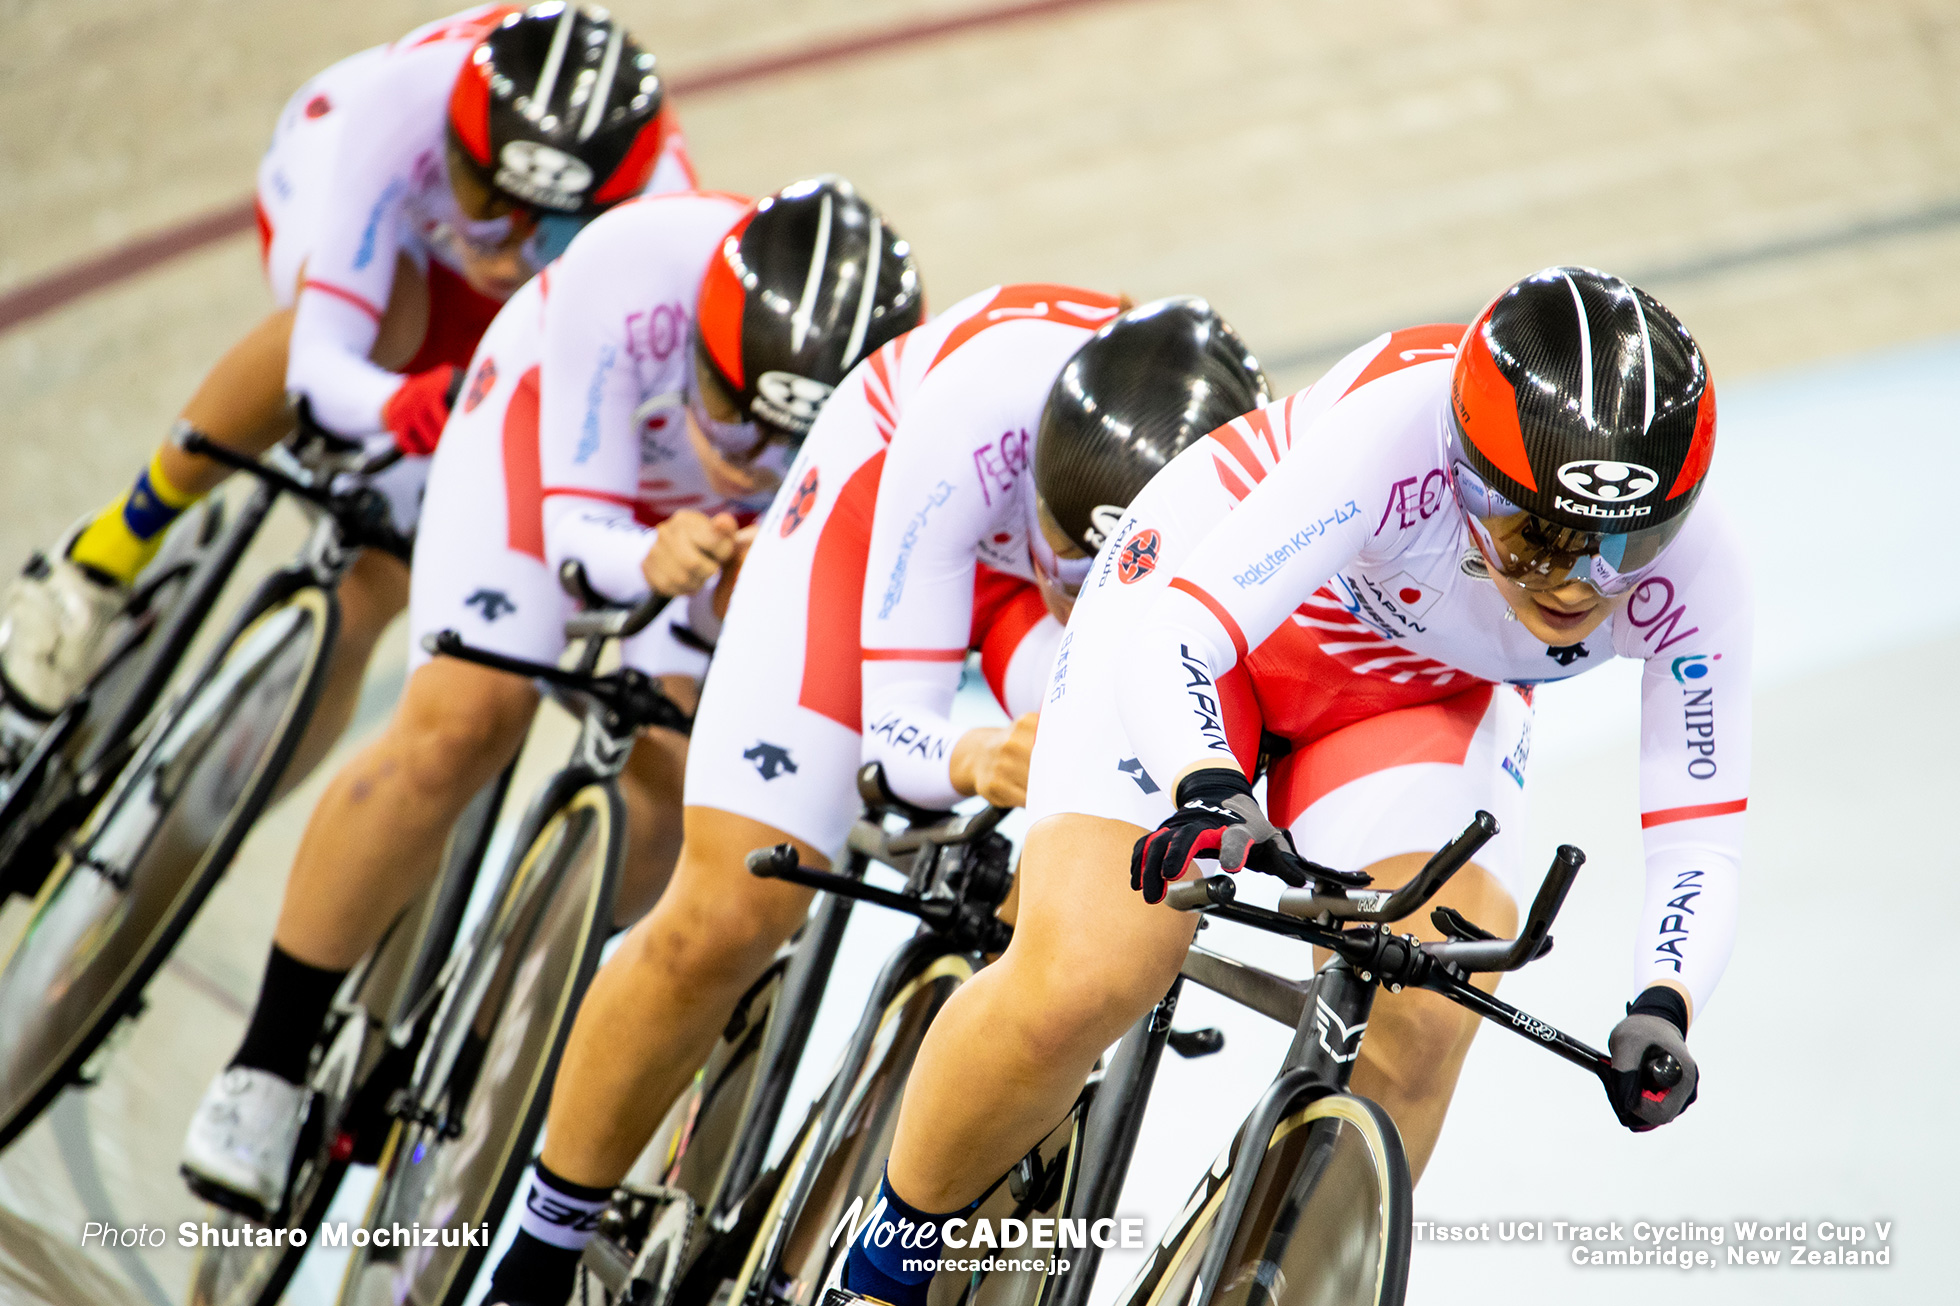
1321	172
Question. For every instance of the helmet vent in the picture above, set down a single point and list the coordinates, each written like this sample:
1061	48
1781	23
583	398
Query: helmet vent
806	306
595	107
1585	353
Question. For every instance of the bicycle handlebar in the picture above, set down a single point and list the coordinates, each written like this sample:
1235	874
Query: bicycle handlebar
632	694
347	507
1393	905
1441	967
605	619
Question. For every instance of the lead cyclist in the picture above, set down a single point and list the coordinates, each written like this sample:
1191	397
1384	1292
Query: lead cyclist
1377	570
405	196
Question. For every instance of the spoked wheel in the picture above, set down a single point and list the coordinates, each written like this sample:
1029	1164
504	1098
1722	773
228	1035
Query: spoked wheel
451	1165
43	800
115	906
1327	1223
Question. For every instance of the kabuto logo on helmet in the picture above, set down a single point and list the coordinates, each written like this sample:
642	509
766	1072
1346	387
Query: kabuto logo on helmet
542	175
789	400
1608	482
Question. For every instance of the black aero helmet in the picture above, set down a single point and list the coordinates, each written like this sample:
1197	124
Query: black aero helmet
1133	397
1583	408
558	110
810	281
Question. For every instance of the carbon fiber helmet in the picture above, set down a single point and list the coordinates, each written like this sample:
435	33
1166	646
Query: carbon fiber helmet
810	281
1150	383
557	109
1584	417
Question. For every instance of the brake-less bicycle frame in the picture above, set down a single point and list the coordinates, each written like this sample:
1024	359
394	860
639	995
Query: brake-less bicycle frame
1329	1015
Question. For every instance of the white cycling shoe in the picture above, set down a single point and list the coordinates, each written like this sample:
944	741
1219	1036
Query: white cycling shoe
239	1150
51	628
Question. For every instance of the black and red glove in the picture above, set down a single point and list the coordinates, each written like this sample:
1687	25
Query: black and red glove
416	412
1656	1022
1216	816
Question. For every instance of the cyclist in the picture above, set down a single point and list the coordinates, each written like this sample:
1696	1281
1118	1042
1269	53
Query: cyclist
913	505
408	191
1376	570
683	339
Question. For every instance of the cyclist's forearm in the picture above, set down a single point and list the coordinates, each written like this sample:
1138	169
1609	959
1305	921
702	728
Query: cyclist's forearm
604	538
1688	920
327	362
1170	700
909	731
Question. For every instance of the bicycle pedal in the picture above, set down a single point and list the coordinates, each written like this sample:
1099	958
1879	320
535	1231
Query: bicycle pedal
1194	1043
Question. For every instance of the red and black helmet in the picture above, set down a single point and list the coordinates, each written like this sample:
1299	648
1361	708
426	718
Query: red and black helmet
807	283
1584	402
558	110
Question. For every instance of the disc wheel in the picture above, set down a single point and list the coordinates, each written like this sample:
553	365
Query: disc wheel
1327	1223
114	907
452	1170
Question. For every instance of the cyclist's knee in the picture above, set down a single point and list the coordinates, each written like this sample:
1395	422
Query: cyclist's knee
706	941
1416	1042
1068	1008
459	724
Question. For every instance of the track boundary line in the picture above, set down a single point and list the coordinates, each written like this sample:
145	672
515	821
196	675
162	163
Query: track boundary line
57	289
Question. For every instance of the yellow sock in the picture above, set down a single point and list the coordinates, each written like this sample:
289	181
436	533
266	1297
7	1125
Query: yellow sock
125	535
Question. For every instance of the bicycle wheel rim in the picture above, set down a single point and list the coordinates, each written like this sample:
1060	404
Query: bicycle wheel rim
846	1179
557	913
1327	1223
91	946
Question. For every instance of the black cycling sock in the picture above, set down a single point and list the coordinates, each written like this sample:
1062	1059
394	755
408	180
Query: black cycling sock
533	1273
556	1219
293	1002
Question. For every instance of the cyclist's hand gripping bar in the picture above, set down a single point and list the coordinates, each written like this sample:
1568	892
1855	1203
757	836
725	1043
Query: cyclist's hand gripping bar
1393	905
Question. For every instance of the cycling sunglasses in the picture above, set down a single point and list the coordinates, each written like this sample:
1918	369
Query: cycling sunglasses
1543	555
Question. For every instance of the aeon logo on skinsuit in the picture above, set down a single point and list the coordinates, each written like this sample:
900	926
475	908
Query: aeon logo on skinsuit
1608	482
536	172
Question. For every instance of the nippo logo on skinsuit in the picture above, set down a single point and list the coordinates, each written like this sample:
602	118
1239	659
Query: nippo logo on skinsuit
538	173
1607	482
800	505
789	400
1693	667
1138	557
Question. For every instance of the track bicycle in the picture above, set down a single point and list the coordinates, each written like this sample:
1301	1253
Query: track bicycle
55	771
830	1177
468	1117
1312	1202
682	1223
127	883
362	1057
